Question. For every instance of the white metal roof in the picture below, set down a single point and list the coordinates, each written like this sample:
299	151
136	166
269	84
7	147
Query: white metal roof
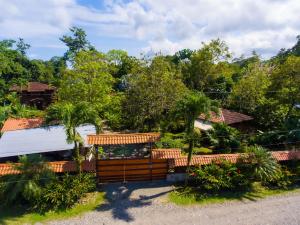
39	140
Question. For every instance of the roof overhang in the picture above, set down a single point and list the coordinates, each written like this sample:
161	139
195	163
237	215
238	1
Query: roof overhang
122	139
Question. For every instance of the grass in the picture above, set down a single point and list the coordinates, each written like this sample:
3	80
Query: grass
191	196
18	215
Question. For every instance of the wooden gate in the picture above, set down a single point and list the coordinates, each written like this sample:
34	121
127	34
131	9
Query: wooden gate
122	170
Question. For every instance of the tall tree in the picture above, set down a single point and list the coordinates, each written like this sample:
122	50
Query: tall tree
90	81
190	107
152	94
22	47
76	42
205	64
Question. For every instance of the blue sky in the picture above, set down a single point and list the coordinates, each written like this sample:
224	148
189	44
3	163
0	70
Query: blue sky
143	26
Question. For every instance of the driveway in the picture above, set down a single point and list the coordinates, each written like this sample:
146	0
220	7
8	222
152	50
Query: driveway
146	203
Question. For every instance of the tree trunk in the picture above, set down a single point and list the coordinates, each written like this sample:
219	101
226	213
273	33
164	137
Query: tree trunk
77	156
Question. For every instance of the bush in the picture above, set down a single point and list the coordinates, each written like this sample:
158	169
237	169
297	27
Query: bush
201	150
283	179
224	138
259	164
63	193
27	186
219	176
170	140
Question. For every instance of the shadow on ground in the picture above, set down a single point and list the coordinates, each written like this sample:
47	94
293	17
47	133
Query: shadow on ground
122	197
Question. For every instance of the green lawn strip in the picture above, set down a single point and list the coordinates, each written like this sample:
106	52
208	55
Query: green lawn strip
20	216
190	196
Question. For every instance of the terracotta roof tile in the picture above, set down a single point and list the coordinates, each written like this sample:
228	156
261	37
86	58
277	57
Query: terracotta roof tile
227	116
12	124
57	167
117	139
206	159
32	87
166	153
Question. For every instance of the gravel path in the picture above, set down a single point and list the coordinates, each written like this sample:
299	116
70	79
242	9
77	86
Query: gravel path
145	203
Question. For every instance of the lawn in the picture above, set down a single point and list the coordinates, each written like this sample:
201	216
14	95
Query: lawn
190	196
18	215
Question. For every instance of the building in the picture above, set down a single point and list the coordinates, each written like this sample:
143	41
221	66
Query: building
28	136
234	119
35	94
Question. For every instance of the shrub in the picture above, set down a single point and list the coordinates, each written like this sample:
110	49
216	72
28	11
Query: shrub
260	164
63	193
170	140
283	179
219	176
201	150
224	138
27	186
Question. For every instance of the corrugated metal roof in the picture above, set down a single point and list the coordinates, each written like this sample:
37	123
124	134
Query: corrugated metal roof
38	140
12	124
118	139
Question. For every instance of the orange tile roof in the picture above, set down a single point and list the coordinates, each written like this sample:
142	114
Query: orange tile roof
227	116
166	153
57	167
12	124
32	87
207	159
118	139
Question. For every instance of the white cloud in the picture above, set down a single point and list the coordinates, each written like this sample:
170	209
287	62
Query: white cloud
166	26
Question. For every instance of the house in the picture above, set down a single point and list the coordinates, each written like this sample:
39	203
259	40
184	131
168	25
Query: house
234	119
28	136
35	94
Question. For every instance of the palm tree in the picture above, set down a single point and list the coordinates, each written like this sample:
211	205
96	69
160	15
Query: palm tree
191	106
72	116
263	166
34	174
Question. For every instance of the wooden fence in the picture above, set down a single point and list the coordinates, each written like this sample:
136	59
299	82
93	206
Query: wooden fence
122	170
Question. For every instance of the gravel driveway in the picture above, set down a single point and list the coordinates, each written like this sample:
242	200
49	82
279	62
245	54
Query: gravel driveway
144	203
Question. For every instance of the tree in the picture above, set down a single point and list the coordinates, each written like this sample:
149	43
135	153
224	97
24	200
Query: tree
76	43
205	64
35	173
250	91
190	107
90	81
22	47
72	116
152	95
286	81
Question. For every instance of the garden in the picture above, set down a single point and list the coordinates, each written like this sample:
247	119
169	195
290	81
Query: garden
37	194
256	175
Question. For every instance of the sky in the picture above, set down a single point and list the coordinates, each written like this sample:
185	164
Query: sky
151	26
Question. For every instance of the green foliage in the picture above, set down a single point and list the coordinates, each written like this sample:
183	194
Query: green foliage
223	138
27	186
72	116
76	43
64	192
249	92
219	176
170	140
283	179
190	107
260	164
205	64
152	95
